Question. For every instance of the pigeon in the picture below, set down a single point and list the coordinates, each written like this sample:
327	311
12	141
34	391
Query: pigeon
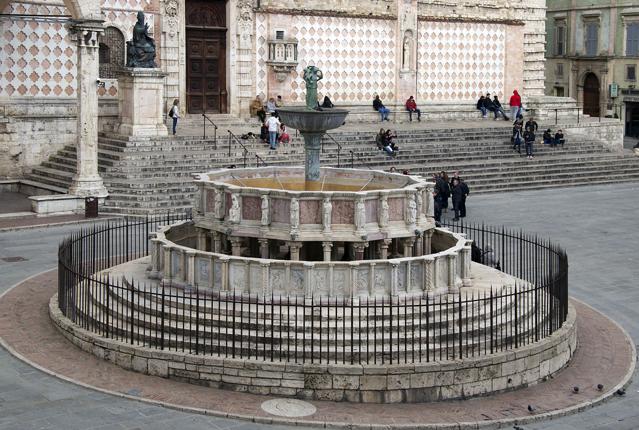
518	428
531	408
621	391
575	389
600	387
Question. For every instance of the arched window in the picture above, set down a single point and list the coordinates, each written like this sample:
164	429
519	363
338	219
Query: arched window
111	52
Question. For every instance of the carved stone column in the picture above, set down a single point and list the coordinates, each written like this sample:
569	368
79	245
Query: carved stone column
383	248
328	248
189	276
408	243
419	246
263	248
428	241
294	247
465	264
453	288
87	181
359	248
236	246
166	274
201	239
216	242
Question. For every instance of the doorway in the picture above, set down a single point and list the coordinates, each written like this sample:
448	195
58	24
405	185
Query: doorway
632	119
591	95
206	56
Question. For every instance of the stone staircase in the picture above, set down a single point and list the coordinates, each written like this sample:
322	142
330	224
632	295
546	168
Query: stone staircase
151	315
147	176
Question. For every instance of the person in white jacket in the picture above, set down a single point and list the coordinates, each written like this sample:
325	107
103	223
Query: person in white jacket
175	114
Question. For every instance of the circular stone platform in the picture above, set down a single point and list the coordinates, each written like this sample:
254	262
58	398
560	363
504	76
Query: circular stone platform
28	333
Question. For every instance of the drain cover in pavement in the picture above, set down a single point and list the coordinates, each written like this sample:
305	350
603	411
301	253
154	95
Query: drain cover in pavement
288	408
13	259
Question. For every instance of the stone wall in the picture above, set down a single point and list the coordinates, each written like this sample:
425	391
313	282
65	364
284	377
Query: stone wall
390	383
32	129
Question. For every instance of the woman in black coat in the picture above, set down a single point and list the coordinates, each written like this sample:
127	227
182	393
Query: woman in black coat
458	197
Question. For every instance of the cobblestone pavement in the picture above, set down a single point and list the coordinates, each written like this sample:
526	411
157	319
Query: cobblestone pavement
595	225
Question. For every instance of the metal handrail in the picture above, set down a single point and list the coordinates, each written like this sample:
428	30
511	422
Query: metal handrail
353	156
258	159
339	147
204	119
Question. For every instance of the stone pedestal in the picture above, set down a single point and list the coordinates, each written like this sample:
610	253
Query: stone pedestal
141	100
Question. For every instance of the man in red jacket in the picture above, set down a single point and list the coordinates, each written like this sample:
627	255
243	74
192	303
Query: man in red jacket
411	107
515	105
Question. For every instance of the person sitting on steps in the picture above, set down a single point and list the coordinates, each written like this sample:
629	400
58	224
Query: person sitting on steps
411	106
559	139
379	107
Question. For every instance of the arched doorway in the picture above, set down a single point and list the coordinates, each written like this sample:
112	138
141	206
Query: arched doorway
206	56
591	95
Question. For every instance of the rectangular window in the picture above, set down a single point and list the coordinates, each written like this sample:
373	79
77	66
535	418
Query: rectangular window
559	72
559	91
592	38
560	38
632	39
631	72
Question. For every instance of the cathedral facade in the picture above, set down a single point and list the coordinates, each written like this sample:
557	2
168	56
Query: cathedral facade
219	54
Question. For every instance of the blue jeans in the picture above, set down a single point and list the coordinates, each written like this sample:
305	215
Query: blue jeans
384	111
484	111
174	124
272	139
529	148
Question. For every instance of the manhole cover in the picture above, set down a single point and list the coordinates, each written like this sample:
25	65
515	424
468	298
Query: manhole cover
13	259
288	408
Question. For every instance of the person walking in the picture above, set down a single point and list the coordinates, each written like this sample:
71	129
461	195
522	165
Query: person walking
458	195
273	125
529	139
531	125
174	113
515	105
379	107
411	106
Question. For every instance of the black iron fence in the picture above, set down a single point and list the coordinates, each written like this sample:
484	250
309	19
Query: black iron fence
358	330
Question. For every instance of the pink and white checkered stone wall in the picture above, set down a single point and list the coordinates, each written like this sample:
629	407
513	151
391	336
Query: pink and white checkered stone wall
460	60
38	58
356	55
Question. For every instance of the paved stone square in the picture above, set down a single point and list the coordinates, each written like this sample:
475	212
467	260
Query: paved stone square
594	224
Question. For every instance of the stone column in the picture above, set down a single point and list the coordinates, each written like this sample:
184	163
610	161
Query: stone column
453	288
408	243
294	247
166	270
419	246
216	242
87	181
383	248
465	264
156	259
263	248
428	241
189	276
328	248
359	250
236	246
201	239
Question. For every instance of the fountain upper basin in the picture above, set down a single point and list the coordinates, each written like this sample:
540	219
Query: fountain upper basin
312	121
